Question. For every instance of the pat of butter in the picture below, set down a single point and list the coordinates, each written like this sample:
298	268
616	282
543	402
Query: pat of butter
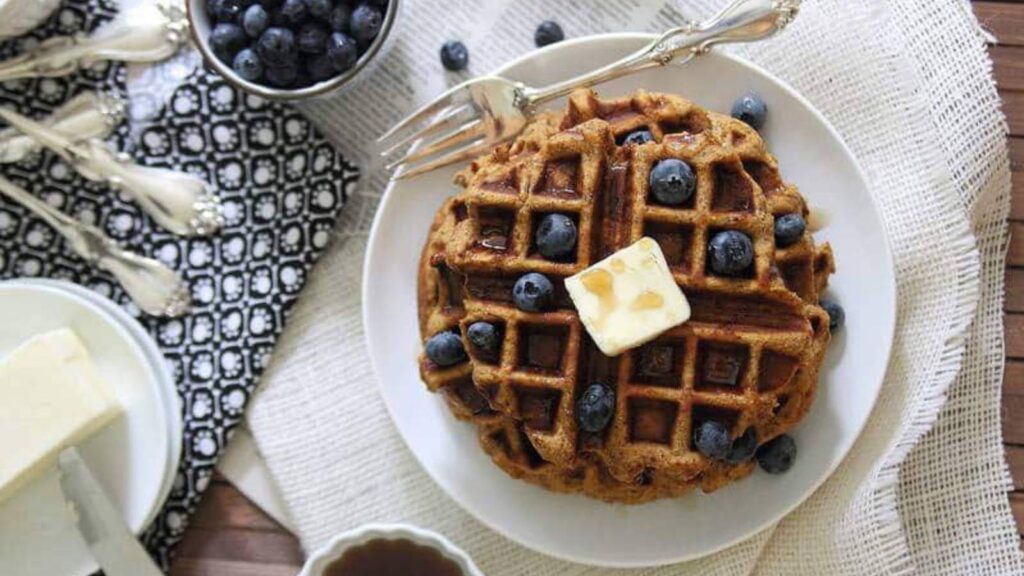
629	298
51	397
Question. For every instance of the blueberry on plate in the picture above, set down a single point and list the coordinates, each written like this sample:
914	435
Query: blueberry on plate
548	32
454	55
672	182
248	65
255	20
319	8
751	109
776	456
312	38
743	447
342	51
445	349
789	228
226	40
730	253
595	408
293	12
533	292
836	314
340	18
276	47
556	237
639	137
366	23
283	76
320	68
711	438
485	336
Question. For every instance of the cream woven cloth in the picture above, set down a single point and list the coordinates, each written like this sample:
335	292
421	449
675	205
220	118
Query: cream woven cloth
908	84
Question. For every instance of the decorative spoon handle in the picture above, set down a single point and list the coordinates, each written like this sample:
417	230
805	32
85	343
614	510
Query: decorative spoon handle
156	289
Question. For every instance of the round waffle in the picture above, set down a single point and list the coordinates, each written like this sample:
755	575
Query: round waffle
748	357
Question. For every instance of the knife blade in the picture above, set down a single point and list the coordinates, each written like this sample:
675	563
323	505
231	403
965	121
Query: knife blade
115	549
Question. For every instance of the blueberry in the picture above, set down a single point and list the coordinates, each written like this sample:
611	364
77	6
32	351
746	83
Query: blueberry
283	76
312	38
276	47
340	18
377	3
750	109
226	40
320	68
595	408
269	4
255	20
366	23
836	314
342	51
454	55
776	456
227	11
485	336
639	137
248	65
672	182
548	32
711	438
789	228
730	252
743	448
533	292
556	237
293	13
445	349
319	8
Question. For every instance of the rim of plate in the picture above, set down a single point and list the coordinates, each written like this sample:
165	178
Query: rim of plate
889	295
165	380
139	351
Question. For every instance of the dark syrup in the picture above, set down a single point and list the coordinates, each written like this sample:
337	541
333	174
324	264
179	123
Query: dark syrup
392	558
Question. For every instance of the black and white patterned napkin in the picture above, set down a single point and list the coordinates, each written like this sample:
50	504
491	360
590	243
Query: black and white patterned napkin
282	186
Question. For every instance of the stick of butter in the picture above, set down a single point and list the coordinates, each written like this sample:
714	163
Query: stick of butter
629	298
51	397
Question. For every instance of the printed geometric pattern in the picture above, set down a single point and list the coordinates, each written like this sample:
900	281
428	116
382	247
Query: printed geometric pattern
282	186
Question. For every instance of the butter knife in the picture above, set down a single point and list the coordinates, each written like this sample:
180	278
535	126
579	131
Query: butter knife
115	549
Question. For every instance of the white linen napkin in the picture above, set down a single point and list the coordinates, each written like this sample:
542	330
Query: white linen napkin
909	86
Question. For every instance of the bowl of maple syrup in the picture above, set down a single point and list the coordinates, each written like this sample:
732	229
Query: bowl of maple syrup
390	550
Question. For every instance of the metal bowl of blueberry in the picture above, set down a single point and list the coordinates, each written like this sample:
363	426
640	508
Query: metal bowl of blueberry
291	49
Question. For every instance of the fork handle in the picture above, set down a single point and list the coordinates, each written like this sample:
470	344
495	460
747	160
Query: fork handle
741	21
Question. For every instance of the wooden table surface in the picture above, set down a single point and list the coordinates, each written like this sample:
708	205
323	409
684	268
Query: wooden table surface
231	537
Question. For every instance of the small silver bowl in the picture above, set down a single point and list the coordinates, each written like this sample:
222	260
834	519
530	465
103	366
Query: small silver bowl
200	25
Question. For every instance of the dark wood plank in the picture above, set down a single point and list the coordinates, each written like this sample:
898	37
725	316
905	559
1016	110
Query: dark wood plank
1008	65
1015	257
1017	178
209	567
1014	290
1004	19
1013	107
255	546
1017	506
225	507
1015	337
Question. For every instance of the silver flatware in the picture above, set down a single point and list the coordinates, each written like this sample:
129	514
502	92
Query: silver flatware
156	289
477	115
86	116
113	546
182	203
148	32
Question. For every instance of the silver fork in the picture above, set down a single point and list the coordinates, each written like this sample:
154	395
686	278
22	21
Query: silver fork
479	114
156	289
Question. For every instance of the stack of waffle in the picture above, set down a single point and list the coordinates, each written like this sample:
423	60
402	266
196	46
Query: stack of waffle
748	357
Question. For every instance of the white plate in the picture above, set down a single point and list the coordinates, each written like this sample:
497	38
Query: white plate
165	379
131	457
811	155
